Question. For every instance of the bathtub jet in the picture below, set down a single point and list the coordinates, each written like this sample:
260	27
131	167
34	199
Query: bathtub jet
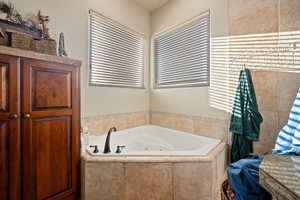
107	141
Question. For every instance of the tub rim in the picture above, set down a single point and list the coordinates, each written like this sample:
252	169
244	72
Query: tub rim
155	159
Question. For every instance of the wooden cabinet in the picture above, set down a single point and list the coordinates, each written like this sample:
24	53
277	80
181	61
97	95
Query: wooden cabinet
47	129
10	133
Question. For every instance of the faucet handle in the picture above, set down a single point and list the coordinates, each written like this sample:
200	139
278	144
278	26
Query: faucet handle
120	148
96	150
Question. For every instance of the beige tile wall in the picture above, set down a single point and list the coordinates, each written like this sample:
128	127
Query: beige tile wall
209	127
289	15
103	181
192	180
98	125
263	16
253	17
275	91
155	181
148	181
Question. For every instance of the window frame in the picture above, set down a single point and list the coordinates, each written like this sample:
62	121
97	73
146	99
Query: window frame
156	85
124	28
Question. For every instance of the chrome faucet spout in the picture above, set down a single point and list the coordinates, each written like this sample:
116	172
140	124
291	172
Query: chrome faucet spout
107	141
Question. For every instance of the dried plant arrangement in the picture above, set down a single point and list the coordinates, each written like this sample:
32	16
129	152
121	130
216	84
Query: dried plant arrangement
30	32
11	13
36	23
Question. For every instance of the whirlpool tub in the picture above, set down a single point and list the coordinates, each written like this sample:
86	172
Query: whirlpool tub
152	140
156	163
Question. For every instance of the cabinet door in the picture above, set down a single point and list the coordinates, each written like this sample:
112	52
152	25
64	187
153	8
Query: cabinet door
51	130
9	129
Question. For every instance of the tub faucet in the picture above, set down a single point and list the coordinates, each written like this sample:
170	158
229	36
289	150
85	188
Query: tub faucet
107	141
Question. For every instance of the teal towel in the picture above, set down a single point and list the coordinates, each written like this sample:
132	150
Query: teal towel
245	119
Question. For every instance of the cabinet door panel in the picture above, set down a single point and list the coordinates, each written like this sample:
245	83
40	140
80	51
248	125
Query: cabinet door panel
9	160
51	130
4	88
51	89
4	160
51	141
10	156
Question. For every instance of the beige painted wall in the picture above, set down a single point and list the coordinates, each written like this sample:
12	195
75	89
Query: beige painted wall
188	101
71	17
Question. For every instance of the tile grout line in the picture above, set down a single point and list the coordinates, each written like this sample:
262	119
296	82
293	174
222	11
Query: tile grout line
173	184
125	181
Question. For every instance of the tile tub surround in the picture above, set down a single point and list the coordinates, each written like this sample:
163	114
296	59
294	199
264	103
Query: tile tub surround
209	127
154	178
98	125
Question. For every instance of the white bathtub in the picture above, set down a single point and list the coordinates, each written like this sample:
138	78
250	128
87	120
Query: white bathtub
152	140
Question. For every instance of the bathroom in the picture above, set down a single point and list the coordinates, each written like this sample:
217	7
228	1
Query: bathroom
141	109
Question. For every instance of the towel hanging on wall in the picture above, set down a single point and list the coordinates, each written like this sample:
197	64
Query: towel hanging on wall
245	119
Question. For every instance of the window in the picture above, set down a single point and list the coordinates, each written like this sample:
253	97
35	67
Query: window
116	53
182	56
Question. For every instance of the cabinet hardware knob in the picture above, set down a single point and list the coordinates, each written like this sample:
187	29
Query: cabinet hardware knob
13	116
27	115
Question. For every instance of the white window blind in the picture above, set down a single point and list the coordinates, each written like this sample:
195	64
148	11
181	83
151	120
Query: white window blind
116	53
182	56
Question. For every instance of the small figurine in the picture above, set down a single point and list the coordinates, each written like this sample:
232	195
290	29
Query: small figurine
61	45
44	22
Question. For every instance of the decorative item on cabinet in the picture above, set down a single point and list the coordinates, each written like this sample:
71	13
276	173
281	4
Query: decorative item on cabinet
61	45
29	33
44	20
11	20
45	46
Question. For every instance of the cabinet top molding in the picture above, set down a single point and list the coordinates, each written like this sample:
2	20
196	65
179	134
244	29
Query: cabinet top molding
34	55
